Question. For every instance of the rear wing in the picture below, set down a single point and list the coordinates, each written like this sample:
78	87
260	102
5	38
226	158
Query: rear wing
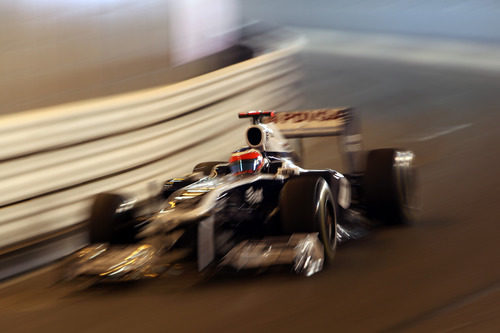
309	123
342	122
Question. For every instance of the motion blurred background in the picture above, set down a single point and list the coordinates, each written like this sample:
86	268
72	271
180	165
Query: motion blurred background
423	74
60	51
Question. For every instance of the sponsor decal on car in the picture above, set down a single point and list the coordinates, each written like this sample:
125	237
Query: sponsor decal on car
311	122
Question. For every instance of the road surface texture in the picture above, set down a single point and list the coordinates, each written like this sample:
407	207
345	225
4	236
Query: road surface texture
440	273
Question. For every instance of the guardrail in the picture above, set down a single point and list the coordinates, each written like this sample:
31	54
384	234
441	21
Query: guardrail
54	160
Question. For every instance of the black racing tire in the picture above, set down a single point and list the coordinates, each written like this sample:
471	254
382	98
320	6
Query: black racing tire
307	205
105	221
389	187
206	167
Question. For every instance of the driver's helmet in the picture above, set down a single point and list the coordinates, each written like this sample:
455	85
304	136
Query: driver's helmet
246	160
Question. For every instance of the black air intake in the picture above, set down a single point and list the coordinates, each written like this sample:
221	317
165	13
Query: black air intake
254	136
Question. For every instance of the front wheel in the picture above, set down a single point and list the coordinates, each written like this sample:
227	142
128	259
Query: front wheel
307	205
108	219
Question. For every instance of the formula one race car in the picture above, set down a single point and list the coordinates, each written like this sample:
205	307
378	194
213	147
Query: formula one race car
258	209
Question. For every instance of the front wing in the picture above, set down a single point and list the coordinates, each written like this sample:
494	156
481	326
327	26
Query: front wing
304	252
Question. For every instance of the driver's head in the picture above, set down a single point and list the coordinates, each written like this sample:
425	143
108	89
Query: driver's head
245	160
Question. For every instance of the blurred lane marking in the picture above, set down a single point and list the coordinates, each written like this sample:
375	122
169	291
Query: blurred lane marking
443	132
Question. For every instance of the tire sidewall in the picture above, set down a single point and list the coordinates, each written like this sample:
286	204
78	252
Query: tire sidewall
326	208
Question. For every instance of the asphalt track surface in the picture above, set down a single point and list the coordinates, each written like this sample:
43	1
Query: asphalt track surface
439	274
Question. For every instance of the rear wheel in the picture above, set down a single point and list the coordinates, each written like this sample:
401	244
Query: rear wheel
307	205
389	186
108	219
